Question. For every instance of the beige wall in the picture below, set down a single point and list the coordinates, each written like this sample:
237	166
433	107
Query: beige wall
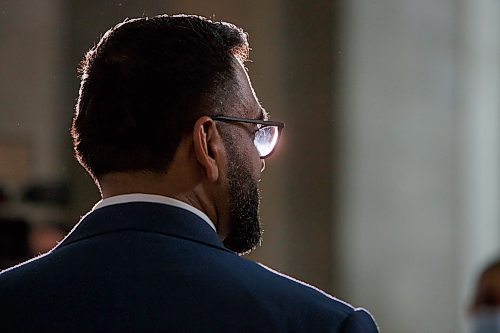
421	158
30	91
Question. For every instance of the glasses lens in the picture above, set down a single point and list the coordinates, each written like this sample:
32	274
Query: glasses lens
266	139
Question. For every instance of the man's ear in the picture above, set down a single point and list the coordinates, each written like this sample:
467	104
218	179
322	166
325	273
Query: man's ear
208	147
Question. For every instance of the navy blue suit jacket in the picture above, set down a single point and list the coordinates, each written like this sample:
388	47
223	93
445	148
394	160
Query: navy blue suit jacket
149	267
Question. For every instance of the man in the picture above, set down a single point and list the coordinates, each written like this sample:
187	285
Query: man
169	127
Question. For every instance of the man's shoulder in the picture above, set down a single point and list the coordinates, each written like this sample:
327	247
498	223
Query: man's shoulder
295	297
305	288
20	272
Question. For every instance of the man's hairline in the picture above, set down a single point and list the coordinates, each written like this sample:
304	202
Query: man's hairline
263	114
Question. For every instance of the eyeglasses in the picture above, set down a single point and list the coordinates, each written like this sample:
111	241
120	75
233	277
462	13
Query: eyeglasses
266	136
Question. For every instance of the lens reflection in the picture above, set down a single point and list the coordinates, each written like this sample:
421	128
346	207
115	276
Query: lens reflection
266	139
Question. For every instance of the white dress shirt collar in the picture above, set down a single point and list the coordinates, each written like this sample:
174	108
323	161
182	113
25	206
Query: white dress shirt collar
141	197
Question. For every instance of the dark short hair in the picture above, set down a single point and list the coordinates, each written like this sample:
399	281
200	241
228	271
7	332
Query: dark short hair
144	85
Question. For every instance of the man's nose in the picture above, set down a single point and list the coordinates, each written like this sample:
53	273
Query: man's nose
263	165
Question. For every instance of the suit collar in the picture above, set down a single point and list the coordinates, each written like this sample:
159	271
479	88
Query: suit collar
144	216
146	197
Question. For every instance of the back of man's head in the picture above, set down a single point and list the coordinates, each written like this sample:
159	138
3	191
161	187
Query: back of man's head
144	85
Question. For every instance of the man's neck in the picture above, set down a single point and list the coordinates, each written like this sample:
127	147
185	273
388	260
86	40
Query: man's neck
118	183
183	189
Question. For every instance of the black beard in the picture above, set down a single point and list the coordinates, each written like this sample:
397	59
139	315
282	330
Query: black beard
245	231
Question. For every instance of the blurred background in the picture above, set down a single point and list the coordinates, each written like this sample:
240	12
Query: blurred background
385	189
